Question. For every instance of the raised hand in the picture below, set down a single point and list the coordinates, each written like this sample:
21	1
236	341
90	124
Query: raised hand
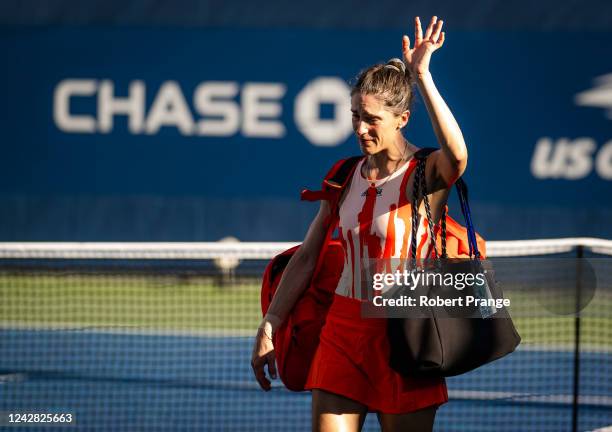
417	58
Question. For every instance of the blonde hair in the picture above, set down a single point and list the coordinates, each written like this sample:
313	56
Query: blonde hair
390	82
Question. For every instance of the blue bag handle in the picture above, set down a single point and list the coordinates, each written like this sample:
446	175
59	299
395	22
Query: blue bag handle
462	192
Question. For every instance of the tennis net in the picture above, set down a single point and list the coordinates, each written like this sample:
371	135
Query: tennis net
150	336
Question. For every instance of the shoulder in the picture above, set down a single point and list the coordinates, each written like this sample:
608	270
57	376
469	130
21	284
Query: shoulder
428	157
348	161
434	180
341	170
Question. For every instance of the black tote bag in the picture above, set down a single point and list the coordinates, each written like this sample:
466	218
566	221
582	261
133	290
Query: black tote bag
439	345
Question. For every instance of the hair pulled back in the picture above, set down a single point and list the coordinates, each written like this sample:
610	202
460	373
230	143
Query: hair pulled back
390	82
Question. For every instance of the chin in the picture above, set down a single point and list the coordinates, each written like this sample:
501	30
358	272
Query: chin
368	149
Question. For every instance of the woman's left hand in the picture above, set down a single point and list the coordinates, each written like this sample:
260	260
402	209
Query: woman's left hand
417	58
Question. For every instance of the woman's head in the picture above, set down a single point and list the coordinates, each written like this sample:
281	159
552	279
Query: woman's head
380	101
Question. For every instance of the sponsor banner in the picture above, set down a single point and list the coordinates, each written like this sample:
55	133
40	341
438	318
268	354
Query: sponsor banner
233	114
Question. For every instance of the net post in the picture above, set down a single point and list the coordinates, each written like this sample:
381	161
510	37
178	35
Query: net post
576	384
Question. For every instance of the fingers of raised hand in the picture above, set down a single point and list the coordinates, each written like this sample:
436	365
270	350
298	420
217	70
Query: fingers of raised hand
440	40
418	32
406	47
430	28
405	43
437	29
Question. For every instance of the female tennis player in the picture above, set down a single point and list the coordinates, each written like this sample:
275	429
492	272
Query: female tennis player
350	375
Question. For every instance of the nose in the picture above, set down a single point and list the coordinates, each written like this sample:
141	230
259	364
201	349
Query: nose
362	128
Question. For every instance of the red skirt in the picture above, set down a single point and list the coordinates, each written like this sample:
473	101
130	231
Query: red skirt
352	360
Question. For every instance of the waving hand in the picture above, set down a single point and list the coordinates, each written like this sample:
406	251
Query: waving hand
417	58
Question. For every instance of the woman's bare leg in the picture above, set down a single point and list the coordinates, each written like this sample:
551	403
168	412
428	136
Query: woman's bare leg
417	421
335	413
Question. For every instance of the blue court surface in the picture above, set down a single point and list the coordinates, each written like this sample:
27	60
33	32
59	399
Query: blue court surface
121	380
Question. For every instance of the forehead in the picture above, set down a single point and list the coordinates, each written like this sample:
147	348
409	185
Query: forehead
367	103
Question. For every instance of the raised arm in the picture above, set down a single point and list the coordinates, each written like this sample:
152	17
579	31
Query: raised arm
445	166
294	281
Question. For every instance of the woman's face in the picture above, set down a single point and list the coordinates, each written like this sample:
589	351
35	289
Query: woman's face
375	126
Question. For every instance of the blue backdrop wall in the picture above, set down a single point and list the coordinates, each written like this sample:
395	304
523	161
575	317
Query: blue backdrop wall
123	132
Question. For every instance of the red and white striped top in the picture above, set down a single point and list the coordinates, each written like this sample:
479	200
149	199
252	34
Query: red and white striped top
374	227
